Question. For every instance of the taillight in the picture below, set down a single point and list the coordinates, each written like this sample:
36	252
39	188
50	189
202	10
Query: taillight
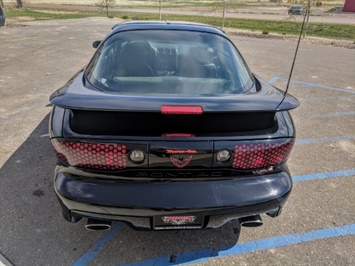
258	154
103	156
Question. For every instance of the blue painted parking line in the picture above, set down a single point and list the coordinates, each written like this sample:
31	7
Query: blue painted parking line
308	84
252	246
99	245
341	173
102	242
321	140
339	114
273	80
262	244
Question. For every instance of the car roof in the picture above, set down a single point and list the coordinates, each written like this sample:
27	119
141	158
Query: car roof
165	25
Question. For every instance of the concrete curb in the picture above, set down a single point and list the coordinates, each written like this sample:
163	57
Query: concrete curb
4	261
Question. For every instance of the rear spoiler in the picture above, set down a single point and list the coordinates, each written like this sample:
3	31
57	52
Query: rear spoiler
75	95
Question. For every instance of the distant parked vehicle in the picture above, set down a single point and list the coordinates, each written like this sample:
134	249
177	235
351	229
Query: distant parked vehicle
337	9
296	10
2	18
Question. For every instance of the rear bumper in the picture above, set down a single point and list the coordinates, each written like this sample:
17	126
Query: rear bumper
138	202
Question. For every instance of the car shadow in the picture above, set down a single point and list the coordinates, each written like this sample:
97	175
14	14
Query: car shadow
32	231
169	247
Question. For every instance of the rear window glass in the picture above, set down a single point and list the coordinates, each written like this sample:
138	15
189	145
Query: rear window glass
171	62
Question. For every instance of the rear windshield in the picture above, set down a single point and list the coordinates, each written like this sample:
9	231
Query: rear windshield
171	62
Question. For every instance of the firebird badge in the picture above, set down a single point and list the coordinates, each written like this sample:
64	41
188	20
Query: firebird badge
178	220
180	163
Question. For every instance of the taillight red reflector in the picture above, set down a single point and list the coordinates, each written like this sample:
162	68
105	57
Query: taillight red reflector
181	110
258	154
100	156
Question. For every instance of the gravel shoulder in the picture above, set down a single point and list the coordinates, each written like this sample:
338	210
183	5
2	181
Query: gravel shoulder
292	38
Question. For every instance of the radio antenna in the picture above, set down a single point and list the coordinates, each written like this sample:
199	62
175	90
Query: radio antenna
296	52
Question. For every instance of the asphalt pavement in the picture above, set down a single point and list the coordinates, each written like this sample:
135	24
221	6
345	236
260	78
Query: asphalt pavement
317	226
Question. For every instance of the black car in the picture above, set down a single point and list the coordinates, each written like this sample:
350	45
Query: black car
167	128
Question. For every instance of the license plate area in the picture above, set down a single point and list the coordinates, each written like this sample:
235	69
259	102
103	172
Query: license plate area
178	222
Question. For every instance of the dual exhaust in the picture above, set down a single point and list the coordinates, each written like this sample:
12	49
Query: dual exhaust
98	225
103	225
251	221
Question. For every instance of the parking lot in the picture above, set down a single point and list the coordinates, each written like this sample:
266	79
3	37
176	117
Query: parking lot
317	226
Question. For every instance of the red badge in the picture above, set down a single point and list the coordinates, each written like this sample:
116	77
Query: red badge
180	163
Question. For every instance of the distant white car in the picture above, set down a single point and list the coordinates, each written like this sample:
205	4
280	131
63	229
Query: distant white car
296	10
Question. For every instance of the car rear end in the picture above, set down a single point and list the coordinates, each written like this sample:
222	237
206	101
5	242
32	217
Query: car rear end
173	159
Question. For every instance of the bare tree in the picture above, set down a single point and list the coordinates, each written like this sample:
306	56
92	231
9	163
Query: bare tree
217	9
224	12
308	12
159	9
19	4
1	3
105	4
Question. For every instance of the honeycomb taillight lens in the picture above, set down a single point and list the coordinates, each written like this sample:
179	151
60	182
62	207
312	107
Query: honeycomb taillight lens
258	154
100	156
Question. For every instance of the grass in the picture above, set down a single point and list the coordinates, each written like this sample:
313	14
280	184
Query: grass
336	31
47	14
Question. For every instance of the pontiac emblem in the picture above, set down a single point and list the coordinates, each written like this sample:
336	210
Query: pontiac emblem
180	163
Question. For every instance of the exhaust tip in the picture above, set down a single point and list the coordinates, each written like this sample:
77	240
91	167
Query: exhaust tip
251	221
98	225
